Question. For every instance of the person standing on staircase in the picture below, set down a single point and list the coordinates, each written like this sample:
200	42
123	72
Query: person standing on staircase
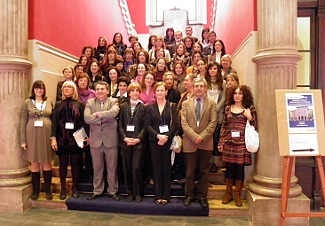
231	144
199	120
67	118
35	132
101	113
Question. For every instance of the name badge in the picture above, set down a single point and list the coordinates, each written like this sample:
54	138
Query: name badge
69	125
38	123
163	129
235	134
130	128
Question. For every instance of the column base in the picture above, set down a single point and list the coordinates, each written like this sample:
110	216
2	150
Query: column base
15	199
265	211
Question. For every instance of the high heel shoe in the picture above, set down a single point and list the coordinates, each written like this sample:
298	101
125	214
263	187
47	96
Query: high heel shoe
75	195
63	196
158	201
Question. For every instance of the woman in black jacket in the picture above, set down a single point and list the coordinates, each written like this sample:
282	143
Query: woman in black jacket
131	133
67	118
161	122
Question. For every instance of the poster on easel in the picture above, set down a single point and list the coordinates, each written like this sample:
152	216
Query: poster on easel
300	122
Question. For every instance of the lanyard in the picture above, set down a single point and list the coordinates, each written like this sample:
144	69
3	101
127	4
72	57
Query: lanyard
38	114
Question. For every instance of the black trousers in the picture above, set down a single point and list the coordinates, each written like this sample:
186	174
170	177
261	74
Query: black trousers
133	169
161	166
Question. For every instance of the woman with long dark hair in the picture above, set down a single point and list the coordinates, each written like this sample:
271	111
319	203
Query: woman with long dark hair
218	51
240	109
35	132
118	42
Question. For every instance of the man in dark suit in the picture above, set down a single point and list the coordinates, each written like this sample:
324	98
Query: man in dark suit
199	120
100	113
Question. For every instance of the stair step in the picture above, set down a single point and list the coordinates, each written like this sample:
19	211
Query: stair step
56	172
217	178
55	203
56	185
217	209
218	191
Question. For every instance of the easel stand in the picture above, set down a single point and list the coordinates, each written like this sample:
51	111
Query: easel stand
286	175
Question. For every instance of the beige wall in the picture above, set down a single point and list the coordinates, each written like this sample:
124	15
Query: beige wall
246	70
47	64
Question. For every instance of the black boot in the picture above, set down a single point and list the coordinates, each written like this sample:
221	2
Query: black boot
47	184
36	176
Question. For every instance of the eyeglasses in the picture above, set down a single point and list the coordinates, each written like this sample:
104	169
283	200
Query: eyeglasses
147	78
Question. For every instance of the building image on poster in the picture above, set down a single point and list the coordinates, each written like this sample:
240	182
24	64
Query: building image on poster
301	123
300	113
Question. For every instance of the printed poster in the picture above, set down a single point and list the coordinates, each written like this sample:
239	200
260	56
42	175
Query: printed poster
300	113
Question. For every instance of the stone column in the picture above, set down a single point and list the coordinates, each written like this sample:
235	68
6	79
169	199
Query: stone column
276	61
15	187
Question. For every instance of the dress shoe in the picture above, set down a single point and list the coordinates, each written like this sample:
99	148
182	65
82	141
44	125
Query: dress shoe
203	202
116	197
63	195
94	196
188	201
48	196
164	202
129	198
75	195
34	196
138	199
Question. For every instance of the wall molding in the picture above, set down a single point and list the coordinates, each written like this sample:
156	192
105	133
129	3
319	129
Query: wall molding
55	51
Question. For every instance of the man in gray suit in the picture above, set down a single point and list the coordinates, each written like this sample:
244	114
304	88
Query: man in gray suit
199	120
100	113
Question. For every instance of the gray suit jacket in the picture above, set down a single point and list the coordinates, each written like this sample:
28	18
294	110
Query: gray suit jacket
205	129
103	129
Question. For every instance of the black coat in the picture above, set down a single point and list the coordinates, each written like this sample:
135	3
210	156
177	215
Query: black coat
137	120
153	120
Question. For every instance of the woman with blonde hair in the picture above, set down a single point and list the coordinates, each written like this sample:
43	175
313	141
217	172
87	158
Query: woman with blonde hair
67	118
69	75
226	62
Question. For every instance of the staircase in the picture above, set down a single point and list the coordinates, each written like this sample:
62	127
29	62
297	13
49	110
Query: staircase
216	192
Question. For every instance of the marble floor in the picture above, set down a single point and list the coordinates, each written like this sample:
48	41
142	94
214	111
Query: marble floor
50	217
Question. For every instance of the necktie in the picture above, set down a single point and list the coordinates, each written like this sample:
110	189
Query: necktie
198	109
101	106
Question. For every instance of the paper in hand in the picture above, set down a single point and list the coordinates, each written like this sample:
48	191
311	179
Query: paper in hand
80	136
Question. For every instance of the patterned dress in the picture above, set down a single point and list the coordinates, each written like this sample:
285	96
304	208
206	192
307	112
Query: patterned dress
234	148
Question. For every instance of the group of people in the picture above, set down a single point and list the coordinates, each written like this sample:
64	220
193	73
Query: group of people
131	103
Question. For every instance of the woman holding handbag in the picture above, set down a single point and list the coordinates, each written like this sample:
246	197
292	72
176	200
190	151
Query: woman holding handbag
232	145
